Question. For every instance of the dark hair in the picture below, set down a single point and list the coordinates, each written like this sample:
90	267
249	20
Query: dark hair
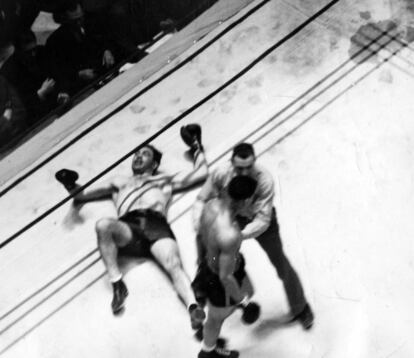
241	187
243	150
156	153
68	5
66	10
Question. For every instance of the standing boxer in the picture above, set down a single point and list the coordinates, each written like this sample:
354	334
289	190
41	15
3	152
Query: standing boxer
221	279
256	217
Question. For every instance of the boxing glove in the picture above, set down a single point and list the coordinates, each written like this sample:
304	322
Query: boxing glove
191	135
68	178
251	311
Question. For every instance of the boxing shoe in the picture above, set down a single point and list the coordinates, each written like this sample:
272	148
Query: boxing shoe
68	178
305	317
120	294
191	135
251	311
218	353
197	315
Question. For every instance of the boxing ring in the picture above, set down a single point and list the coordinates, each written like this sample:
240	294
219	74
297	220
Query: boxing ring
323	91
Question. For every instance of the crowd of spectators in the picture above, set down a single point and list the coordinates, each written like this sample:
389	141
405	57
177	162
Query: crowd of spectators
93	36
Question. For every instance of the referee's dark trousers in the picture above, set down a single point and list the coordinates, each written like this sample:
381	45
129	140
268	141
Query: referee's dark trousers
271	243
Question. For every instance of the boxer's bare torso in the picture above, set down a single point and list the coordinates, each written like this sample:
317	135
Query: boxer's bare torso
143	191
219	233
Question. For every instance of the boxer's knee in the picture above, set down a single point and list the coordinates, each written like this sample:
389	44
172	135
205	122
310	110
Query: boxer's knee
104	226
106	230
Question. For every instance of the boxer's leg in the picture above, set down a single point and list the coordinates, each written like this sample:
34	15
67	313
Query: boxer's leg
211	331
113	234
165	252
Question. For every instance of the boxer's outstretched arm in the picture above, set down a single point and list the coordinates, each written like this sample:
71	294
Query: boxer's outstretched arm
197	176
68	178
102	193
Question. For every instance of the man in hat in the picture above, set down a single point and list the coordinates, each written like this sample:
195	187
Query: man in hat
76	58
141	229
256	217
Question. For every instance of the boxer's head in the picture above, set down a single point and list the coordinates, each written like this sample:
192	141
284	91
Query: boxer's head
243	159
146	159
241	187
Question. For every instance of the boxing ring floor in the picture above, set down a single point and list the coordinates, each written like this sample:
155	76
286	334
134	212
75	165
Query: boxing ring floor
329	114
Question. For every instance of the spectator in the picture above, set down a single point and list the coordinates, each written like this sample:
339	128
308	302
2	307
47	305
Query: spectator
76	57
27	71
30	9
9	19
12	113
17	16
134	22
95	13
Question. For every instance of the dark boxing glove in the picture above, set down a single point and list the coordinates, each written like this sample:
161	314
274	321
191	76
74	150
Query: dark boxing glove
191	135
251	311
68	178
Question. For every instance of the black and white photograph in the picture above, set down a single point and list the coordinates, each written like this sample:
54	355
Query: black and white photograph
206	178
